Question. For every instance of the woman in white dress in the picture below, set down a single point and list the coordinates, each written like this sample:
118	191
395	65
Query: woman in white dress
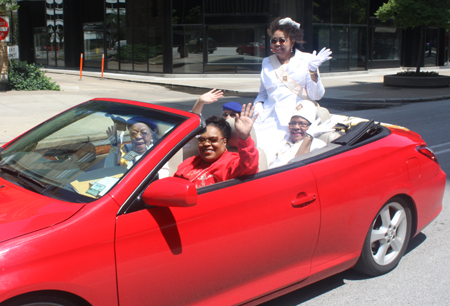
288	78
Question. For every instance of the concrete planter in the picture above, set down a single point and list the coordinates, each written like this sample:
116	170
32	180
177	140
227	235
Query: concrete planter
416	81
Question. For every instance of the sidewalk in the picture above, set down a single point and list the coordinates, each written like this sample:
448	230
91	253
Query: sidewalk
22	110
363	88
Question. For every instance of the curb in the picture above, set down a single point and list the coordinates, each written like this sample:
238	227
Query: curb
356	103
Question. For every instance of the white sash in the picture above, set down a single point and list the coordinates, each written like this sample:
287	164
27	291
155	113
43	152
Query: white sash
287	80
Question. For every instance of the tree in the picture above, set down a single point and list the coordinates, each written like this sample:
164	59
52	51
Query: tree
8	5
416	14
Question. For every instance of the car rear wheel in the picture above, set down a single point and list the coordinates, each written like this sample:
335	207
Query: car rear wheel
240	51
387	239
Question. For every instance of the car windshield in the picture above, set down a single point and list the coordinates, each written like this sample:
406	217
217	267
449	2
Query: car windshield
82	153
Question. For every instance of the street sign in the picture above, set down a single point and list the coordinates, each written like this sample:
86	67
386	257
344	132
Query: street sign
4	28
13	52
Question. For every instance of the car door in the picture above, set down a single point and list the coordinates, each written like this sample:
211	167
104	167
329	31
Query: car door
242	239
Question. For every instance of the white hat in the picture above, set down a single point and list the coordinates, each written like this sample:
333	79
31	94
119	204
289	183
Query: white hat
306	110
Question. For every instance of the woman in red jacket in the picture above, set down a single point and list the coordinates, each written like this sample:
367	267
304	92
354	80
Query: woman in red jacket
215	163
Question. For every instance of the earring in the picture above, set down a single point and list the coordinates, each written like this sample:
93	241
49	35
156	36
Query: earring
292	50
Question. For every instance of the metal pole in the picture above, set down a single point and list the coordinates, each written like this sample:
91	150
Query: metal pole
103	63
81	67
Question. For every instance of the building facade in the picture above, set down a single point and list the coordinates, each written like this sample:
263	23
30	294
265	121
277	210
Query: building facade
206	36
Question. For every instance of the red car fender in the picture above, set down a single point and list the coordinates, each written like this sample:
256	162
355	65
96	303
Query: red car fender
75	256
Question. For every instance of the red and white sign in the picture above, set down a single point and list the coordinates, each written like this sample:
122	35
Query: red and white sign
4	28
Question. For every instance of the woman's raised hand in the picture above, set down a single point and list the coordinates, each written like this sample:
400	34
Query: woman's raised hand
317	60
211	96
207	98
113	136
244	122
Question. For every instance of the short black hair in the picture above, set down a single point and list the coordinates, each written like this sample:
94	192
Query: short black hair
221	124
291	31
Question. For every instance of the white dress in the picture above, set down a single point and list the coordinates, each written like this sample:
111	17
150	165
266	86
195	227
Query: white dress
285	150
279	101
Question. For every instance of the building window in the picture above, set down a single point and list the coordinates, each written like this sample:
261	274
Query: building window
55	32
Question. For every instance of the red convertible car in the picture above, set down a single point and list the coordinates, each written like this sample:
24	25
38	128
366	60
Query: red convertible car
75	230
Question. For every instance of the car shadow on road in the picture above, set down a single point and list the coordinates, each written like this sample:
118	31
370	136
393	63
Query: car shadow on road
314	290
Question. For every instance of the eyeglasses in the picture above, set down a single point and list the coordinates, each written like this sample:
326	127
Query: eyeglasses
212	140
135	134
300	124
281	40
225	115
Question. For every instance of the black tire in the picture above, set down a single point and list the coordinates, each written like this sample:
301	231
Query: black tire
42	300
240	51
387	239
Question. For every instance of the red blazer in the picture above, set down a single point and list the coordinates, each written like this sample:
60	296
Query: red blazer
229	165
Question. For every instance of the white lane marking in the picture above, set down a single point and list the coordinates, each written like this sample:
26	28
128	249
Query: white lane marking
440	145
440	152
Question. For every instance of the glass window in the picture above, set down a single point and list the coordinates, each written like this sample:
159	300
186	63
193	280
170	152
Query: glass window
55	32
40	46
358	11
139	49
358	39
339	46
340	11
73	158
155	49
59	33
187	49
140	13
112	34
93	44
431	47
386	43
240	47
322	11
321	38
187	12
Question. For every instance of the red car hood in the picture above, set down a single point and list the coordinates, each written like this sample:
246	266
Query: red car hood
22	211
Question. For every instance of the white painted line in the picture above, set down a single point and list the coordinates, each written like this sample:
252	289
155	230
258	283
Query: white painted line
440	152
440	145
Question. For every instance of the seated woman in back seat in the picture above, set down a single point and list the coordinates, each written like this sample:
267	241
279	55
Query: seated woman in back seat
303	127
216	164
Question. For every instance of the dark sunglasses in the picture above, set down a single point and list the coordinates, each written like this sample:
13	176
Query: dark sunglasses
225	115
211	140
281	40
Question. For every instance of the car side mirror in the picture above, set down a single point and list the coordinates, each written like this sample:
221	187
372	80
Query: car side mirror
170	192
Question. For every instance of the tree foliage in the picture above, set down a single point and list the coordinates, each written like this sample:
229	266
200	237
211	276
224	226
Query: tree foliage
416	13
8	5
420	14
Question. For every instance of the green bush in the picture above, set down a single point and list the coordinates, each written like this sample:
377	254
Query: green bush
415	73
23	76
140	52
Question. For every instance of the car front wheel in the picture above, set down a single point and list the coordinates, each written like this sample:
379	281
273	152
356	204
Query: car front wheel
43	300
387	239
